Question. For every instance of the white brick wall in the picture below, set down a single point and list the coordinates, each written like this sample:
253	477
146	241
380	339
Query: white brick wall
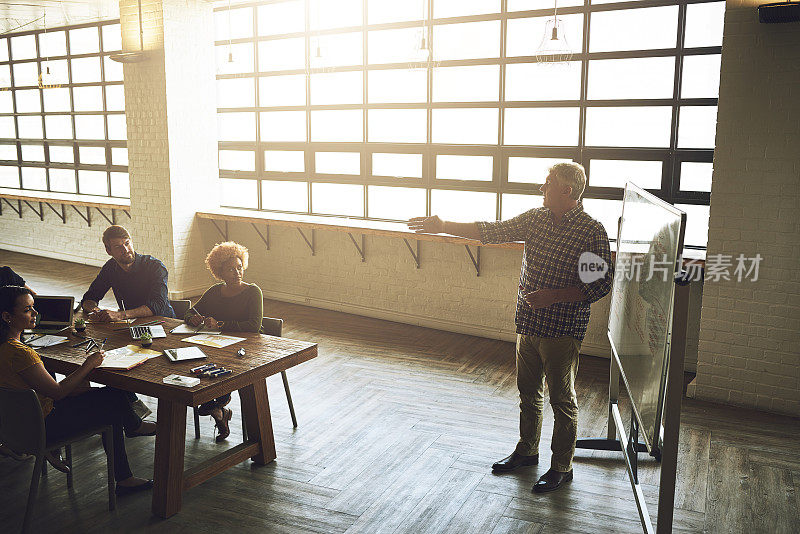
749	348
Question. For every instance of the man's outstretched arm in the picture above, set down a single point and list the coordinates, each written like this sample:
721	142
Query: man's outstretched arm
434	225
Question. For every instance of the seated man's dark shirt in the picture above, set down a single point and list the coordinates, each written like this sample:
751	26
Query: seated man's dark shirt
10	278
144	285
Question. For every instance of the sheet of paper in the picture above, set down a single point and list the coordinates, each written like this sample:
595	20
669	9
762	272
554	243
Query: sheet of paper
128	356
213	340
46	341
189	329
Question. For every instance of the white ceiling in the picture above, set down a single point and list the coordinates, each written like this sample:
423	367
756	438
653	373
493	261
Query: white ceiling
23	15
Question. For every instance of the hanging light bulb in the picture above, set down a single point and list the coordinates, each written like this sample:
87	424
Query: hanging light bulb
554	48
229	65
46	79
423	52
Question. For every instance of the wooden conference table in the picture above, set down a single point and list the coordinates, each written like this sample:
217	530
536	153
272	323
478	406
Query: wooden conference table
264	356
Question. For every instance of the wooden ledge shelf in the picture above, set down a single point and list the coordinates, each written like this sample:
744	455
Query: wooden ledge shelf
49	199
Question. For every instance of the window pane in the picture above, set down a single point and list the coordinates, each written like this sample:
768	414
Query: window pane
32	153
611	79
61	154
526	5
58	126
115	98
117	127
514	205
6	102
466	84
525	35
629	126
283	126
284	196
463	206
284	17
538	81
399	203
23	47
403	85
52	44
30	127
461	8
3	49
85	70
112	71
56	99
704	24
26	75
697	127
531	170
92	155
467	40
337	125
233	24
282	54
696	176
241	54
607	212
615	173
28	101
34	178
465	126
634	29
237	160
337	162
464	167
112	37
397	165
282	90
700	76
88	98
84	41
336	50
380	11
236	126
238	193
542	126
236	93
92	183
397	125
59	73
119	156
8	152
340	14
337	199
336	88
696	224
62	180
9	177
7	127
120	185
284	160
393	46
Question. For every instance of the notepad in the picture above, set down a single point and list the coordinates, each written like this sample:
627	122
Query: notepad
211	340
128	357
189	329
184	353
46	341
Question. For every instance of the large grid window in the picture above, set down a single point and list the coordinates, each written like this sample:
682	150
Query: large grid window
62	111
325	108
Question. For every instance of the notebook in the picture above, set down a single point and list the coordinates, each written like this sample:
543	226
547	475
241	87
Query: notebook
126	358
184	353
189	329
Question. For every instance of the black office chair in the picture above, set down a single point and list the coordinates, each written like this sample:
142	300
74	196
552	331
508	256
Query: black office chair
22	429
271	327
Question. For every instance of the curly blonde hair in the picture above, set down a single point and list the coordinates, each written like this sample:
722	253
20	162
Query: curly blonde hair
223	252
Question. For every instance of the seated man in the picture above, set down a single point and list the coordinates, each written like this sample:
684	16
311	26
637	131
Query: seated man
139	282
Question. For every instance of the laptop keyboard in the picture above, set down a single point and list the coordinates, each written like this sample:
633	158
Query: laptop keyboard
137	331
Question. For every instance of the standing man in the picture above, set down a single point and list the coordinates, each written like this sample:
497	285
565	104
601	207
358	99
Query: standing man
139	282
565	267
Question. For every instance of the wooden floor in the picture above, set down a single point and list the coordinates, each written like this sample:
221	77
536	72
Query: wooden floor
398	427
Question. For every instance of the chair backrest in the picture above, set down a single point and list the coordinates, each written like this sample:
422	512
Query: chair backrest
180	307
21	421
271	326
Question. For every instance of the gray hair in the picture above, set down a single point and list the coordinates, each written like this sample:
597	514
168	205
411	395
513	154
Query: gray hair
571	174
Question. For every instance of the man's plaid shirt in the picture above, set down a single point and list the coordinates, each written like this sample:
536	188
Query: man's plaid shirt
550	261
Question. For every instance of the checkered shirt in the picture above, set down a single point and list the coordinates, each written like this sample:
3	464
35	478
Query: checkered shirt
550	261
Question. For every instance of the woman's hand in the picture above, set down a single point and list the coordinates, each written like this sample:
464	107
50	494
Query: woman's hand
94	359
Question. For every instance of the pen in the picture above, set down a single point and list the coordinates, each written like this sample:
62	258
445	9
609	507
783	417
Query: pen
124	311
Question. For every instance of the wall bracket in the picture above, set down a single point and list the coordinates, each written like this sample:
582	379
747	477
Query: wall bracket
359	249
416	255
309	243
476	258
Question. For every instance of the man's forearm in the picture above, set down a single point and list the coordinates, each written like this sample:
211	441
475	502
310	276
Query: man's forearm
141	311
468	230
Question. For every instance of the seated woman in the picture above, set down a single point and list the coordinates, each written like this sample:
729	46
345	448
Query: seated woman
68	406
231	306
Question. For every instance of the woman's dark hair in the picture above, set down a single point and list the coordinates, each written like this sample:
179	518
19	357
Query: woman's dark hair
8	299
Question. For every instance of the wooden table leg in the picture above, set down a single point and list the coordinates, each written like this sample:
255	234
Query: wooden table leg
255	405
168	465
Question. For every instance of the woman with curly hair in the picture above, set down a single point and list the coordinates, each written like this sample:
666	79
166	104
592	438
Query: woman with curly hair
232	305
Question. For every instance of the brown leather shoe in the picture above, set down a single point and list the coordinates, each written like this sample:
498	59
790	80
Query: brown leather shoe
513	461
222	424
552	480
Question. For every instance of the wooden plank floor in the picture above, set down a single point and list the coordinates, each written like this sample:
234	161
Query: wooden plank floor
398	427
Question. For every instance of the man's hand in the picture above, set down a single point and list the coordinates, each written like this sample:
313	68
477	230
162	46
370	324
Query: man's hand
213	324
541	298
105	316
426	225
195	320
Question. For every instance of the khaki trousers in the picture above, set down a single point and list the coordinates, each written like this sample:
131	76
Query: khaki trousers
554	360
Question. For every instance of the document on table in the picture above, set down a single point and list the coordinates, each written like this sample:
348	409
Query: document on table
46	341
213	340
127	357
189	329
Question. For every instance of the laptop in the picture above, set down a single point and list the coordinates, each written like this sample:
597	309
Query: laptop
155	331
55	314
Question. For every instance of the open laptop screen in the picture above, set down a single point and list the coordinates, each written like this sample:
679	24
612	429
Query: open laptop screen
53	310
